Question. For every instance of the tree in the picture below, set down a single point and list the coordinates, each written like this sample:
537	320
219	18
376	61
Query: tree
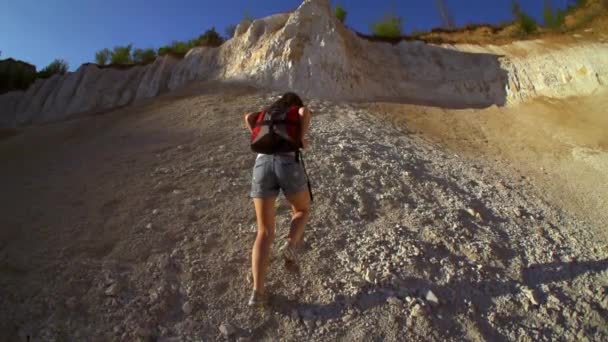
247	18
58	66
445	14
554	19
230	29
340	13
103	56
388	27
163	50
516	10
122	55
209	38
181	48
144	55
527	24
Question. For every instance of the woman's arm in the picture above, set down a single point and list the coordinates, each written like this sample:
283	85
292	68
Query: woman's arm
305	117
250	119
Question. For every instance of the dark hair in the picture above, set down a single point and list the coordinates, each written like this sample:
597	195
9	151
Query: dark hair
286	101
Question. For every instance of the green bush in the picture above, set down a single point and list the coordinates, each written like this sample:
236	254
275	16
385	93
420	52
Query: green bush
122	55
527	24
340	13
58	66
209	38
144	55
103	56
163	50
126	54
554	19
181	48
176	47
388	27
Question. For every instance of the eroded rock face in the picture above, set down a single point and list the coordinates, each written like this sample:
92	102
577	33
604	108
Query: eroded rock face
577	70
88	89
36	103
81	100
309	51
54	106
199	64
552	72
156	77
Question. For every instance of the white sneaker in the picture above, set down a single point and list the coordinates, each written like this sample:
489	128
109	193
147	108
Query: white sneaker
288	252
257	299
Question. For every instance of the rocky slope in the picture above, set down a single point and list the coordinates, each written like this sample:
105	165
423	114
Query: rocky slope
151	240
311	52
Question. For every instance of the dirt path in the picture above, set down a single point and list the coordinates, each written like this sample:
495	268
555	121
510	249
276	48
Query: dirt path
137	224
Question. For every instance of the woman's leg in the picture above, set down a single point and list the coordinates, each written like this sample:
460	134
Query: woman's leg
300	204
265	212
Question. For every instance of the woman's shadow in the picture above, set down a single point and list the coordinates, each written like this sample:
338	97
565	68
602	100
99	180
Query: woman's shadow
456	297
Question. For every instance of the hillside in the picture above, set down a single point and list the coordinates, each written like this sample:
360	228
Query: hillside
459	193
313	53
119	237
586	22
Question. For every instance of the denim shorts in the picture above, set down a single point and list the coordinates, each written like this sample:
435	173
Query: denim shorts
277	172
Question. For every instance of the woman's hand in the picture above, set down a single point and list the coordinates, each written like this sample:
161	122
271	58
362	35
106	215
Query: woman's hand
305	143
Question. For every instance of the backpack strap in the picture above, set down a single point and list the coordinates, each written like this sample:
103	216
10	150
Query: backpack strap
300	159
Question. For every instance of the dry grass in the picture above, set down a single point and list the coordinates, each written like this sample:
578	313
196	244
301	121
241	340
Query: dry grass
579	19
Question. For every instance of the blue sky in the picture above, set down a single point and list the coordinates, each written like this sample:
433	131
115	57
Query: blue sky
37	31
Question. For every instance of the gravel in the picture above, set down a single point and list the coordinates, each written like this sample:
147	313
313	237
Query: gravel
394	216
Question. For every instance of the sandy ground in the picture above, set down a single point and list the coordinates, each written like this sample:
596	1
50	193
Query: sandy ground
561	144
136	225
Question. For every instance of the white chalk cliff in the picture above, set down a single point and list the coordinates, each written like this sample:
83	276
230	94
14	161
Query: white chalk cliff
311	52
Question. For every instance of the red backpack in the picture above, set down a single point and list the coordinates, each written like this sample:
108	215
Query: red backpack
277	131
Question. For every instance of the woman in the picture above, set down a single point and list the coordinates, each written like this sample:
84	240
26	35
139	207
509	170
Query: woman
271	173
